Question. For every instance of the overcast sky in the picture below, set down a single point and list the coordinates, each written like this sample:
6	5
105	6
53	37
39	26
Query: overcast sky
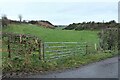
61	12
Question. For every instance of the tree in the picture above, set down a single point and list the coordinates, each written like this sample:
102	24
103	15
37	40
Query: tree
109	39
20	17
113	21
4	20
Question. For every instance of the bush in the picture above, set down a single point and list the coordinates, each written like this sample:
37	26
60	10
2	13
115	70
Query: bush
109	39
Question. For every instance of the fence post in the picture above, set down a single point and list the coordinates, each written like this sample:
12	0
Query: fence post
95	46
43	51
9	52
39	46
86	48
78	47
26	55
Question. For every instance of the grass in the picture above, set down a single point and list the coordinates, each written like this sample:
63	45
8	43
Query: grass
35	65
54	35
18	64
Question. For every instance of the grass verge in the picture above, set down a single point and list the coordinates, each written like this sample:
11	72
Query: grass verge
36	66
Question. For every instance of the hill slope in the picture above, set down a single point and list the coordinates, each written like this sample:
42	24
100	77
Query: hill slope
42	23
55	35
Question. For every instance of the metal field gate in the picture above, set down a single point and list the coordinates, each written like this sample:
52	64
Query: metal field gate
56	50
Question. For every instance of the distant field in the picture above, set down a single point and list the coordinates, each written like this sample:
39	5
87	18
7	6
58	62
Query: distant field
54	35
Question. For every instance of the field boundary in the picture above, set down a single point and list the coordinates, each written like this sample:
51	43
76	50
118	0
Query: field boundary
27	45
22	45
57	50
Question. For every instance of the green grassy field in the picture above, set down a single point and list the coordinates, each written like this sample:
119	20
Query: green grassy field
54	35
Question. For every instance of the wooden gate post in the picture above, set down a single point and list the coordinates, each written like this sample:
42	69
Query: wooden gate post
39	46
43	50
9	52
95	46
86	48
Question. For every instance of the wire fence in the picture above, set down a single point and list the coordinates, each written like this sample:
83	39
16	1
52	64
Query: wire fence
21	45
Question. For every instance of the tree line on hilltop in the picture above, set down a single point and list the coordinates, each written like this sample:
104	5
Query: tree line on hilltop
92	25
